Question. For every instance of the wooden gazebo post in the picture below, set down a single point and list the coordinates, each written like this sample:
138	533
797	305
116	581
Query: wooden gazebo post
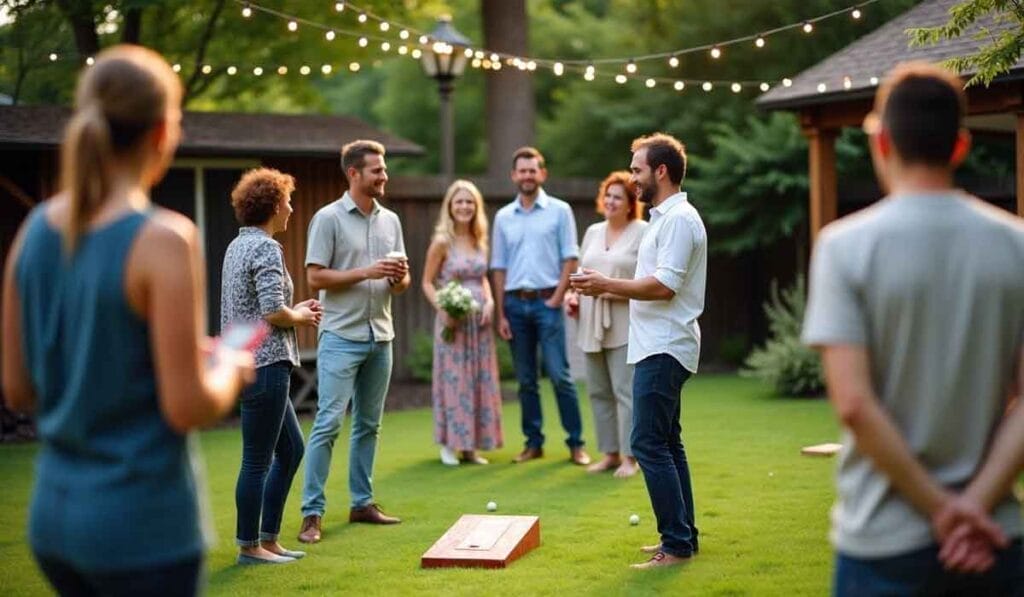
822	177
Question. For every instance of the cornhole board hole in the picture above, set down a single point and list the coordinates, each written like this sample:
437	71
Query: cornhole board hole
821	450
484	541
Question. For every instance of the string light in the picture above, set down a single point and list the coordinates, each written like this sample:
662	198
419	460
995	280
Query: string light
874	80
362	17
759	42
808	27
176	68
847	83
650	83
304	70
736	87
330	35
787	82
558	68
855	13
468	52
363	42
353	66
416	53
674	61
207	69
631	67
339	6
282	70
258	71
822	88
326	69
385	46
293	26
620	78
765	87
53	57
423	40
90	61
707	86
404	34
232	70
384	26
716	52
246	10
679	86
588	76
403	50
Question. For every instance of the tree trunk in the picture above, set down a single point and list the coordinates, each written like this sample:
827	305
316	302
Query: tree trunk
83	24
198	81
510	100
132	32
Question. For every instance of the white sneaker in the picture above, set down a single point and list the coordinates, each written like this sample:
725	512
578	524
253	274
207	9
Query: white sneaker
448	457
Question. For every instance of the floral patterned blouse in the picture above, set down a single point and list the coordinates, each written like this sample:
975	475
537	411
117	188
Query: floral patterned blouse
254	284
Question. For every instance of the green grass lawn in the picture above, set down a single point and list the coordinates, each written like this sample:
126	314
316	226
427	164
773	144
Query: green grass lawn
762	510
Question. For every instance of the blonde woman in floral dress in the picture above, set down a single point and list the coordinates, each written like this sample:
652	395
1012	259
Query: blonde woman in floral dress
466	396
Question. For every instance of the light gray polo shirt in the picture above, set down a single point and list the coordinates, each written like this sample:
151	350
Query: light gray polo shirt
342	238
933	287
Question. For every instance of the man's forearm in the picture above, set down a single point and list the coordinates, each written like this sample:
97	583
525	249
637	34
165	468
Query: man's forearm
642	289
333	279
402	285
568	267
1003	463
499	291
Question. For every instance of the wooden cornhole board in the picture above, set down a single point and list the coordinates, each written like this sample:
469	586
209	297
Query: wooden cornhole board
484	541
821	449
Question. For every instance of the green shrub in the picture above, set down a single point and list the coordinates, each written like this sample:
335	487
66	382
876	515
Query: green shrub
790	367
420	358
732	349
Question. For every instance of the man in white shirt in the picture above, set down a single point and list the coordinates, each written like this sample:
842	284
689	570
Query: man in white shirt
666	297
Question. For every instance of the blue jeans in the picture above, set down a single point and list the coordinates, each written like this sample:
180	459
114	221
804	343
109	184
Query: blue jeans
920	573
271	452
353	371
658	448
532	321
179	579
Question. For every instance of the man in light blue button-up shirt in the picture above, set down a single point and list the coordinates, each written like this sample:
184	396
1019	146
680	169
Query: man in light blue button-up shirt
533	252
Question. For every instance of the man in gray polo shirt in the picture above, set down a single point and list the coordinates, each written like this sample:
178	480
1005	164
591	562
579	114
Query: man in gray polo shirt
917	306
352	260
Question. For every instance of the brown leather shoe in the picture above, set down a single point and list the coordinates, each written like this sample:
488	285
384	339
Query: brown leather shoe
528	454
579	456
660	560
310	532
371	514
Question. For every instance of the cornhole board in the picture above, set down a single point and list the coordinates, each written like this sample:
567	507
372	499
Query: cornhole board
484	541
821	449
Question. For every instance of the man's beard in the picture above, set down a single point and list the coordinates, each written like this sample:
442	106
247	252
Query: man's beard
647	193
528	188
374	191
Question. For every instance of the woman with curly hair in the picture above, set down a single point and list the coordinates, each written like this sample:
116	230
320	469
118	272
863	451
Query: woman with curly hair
256	285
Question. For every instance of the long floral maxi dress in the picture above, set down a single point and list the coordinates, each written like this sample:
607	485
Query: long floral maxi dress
466	396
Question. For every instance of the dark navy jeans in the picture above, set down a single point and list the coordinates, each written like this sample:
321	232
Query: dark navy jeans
271	452
534	323
921	573
179	579
658	447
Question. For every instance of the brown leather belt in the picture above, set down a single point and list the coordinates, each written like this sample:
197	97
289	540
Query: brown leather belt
530	295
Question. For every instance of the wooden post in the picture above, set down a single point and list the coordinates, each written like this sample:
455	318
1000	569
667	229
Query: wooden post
822	174
1020	164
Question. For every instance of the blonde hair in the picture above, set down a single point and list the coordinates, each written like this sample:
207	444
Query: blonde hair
117	102
445	229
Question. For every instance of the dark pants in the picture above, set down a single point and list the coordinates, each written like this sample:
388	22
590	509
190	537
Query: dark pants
271	452
534	323
658	447
921	573
181	579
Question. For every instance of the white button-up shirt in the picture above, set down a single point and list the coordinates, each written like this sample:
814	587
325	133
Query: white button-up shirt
674	251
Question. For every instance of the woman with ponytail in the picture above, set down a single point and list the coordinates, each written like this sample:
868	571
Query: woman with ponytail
97	287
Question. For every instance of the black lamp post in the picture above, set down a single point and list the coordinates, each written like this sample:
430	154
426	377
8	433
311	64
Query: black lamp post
444	59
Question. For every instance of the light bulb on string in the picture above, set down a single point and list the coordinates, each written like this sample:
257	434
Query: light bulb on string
258	71
716	52
822	88
620	78
385	46
176	68
531	66
354	67
808	27
856	14
679	86
330	35
384	25
707	86
736	87
486	63
416	53
304	70
403	34
468	52
232	70
246	10
363	42
787	82
588	76
293	26
282	70
847	83
759	42
558	68
339	6
765	86
207	69
631	66
403	50
673	61
476	63
650	83
90	61
53	57
362	17
424	39
874	80
326	69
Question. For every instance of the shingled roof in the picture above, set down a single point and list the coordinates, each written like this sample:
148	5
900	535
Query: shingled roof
876	54
217	133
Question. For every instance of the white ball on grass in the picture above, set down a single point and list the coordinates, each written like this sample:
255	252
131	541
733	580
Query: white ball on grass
492	506
634	519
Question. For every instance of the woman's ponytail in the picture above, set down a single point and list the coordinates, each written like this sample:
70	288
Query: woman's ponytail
85	169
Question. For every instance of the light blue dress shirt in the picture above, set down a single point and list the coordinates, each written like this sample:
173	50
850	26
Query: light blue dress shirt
531	245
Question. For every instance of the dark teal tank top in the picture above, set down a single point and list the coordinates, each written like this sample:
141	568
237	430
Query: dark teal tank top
114	487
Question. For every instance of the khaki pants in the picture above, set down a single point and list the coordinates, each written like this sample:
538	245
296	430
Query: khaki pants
610	382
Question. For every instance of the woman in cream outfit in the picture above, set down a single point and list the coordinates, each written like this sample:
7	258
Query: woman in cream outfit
610	247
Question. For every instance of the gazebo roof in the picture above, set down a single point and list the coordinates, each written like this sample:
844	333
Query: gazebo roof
876	54
218	133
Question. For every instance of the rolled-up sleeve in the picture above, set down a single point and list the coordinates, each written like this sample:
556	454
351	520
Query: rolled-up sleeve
498	252
568	247
675	245
268	278
320	246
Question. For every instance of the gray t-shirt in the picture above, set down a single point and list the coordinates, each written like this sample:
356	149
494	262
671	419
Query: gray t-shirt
933	287
342	238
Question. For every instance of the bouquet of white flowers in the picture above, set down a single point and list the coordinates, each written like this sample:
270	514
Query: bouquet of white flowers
458	302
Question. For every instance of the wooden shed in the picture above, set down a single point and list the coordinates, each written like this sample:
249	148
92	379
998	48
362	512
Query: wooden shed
838	92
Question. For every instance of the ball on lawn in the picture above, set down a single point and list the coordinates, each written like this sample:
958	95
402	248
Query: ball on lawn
492	506
634	519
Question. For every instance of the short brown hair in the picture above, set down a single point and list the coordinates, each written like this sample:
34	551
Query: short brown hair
353	155
258	193
621	177
528	152
663	149
922	106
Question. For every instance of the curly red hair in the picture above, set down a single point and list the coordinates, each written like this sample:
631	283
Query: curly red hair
621	177
258	193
